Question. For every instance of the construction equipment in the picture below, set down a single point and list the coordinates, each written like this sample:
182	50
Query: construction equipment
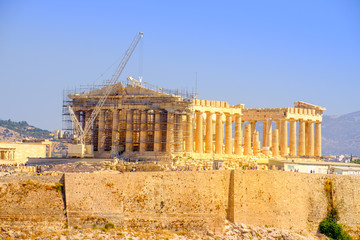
79	149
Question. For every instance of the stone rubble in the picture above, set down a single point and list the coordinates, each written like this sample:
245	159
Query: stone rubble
231	231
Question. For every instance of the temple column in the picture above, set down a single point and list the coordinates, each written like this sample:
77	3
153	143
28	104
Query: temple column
264	140
238	134
219	133
278	127
269	133
283	138
253	129
311	139
318	139
178	134
143	130
101	134
247	140
170	133
256	143
307	139
301	138
115	129
209	133
228	134
189	133
199	133
275	142
129	131
88	134
157	133
292	137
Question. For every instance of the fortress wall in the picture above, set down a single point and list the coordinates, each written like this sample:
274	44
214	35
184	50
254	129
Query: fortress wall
347	192
179	200
175	200
282	199
293	200
29	202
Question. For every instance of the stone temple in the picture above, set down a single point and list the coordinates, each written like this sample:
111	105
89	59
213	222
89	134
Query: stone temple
151	123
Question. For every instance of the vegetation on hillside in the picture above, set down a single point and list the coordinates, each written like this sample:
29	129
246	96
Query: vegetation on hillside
330	226
356	161
25	129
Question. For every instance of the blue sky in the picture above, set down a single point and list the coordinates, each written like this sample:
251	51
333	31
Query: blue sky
258	53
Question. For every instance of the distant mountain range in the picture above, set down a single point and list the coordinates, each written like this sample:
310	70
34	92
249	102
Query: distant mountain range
341	134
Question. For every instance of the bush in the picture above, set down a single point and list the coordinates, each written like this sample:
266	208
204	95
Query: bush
59	187
333	230
109	225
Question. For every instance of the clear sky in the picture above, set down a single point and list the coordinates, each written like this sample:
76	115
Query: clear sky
259	53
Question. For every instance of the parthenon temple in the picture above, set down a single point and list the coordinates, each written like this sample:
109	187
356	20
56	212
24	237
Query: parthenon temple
137	121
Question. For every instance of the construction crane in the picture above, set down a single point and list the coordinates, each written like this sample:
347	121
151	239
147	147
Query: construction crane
80	138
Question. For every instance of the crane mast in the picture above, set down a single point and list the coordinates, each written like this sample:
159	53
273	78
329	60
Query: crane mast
108	89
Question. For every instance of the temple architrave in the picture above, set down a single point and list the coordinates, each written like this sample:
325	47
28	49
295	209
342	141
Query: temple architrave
140	122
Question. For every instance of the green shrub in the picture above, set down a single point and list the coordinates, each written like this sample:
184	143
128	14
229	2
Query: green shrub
109	225
59	187
333	230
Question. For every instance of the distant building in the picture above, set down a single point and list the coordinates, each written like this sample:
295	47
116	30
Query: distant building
315	167
19	152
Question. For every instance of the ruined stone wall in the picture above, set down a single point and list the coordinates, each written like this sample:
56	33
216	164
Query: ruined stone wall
31	201
176	200
293	200
189	200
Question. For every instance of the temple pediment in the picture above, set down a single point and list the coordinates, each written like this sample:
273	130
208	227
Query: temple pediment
119	89
301	104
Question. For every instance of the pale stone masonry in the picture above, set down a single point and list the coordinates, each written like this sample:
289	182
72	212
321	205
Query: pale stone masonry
143	123
19	152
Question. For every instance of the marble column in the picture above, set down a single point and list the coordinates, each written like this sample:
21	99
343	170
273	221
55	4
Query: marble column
301	138
238	134
101	134
269	133
199	133
275	142
311	139
143	130
283	138
247	140
189	133
115	129
256	143
253	129
209	133
318	139
264	139
88	134
129	131
157	132
170	133
293	138
228	134
179	145
219	134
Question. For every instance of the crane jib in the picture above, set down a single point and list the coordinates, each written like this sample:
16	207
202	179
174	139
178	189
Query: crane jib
110	86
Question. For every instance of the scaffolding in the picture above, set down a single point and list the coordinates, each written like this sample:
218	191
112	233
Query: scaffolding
142	125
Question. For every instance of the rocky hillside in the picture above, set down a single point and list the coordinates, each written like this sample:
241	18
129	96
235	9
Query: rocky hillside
341	134
16	131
